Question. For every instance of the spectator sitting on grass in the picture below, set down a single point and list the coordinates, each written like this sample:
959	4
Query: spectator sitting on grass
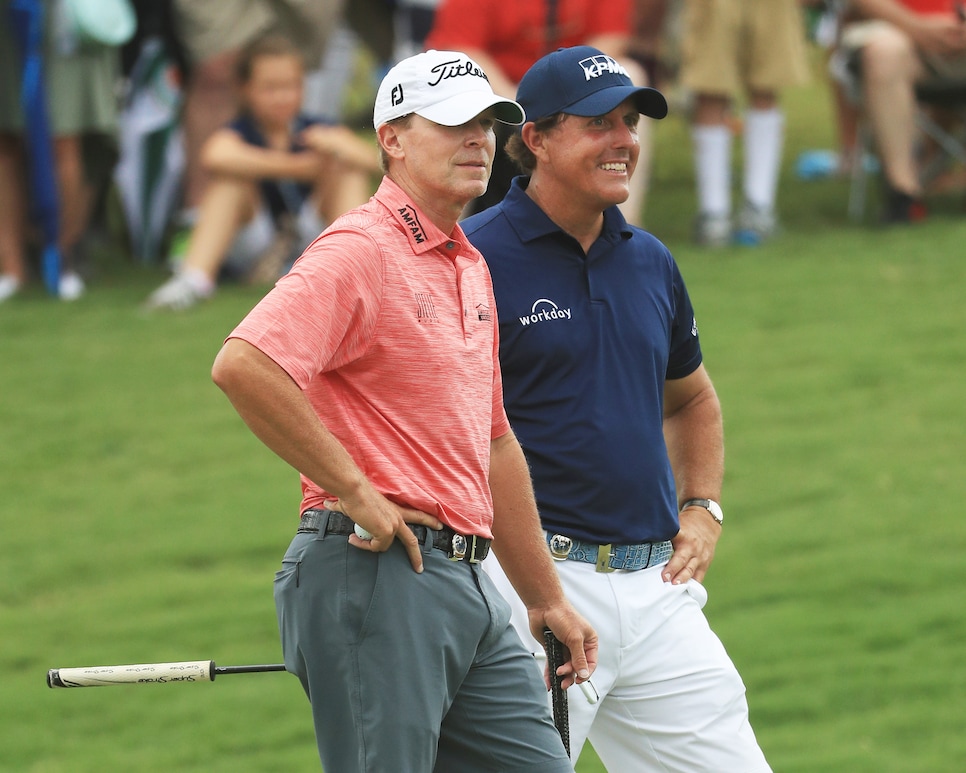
277	177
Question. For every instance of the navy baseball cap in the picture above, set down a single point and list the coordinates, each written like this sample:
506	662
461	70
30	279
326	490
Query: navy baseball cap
583	81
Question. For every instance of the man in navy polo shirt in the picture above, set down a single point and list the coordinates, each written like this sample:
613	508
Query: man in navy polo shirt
605	388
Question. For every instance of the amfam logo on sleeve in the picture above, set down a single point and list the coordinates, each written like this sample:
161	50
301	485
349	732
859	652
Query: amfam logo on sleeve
545	310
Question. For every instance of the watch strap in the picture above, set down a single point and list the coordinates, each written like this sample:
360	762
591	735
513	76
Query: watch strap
708	504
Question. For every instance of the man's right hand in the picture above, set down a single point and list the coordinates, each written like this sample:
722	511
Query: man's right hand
386	522
575	633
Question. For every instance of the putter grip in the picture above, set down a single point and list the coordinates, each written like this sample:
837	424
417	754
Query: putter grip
144	673
561	713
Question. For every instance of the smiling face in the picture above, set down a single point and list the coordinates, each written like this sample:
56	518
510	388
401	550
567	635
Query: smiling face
590	158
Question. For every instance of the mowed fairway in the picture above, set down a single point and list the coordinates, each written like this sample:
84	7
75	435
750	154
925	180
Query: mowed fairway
141	521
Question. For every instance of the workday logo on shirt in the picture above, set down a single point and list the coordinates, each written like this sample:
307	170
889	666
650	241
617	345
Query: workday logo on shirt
544	310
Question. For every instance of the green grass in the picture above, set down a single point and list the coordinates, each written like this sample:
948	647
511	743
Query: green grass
142	521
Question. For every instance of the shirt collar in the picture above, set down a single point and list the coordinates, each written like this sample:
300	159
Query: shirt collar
423	235
530	222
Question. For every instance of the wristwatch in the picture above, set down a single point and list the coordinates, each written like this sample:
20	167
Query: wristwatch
708	504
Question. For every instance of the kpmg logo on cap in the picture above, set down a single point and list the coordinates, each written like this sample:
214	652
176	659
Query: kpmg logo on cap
455	68
601	64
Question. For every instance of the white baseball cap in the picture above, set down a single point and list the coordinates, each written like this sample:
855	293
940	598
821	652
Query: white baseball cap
445	87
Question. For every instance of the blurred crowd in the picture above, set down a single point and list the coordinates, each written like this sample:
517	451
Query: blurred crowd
229	133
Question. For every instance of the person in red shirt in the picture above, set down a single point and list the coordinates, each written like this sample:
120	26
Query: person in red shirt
372	368
506	38
898	44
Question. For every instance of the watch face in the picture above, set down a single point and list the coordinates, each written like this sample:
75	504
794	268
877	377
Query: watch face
715	510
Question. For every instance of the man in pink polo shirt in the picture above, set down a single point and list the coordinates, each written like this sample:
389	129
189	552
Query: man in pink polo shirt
372	369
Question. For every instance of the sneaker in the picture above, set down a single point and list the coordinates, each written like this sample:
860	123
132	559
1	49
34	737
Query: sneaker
755	225
816	164
9	287
712	230
71	286
182	291
902	208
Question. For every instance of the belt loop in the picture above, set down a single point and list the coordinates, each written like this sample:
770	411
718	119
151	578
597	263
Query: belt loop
426	540
323	522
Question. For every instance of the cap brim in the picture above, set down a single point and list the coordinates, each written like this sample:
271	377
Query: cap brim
648	101
464	107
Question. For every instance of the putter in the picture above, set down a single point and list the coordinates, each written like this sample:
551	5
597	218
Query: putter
561	711
149	673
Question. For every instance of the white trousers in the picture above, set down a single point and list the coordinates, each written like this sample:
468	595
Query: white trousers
671	700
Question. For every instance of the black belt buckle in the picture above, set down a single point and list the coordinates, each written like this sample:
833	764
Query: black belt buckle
460	546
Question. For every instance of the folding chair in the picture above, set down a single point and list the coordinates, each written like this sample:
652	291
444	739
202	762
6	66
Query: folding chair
940	147
951	99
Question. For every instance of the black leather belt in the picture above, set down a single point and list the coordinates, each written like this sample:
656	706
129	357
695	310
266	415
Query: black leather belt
456	546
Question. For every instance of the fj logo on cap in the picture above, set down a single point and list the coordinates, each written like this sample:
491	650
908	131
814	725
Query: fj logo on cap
397	95
595	66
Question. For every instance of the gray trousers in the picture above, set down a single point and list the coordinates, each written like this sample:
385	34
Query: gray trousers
410	673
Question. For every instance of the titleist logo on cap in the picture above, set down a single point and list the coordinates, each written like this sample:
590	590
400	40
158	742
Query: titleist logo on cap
454	69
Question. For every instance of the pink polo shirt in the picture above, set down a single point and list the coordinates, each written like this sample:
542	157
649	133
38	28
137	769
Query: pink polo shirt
389	327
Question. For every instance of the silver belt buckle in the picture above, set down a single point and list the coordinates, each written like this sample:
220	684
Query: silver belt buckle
560	547
461	546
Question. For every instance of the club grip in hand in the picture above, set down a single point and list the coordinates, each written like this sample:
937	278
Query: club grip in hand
561	712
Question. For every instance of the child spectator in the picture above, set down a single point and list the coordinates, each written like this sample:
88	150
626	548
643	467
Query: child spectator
276	177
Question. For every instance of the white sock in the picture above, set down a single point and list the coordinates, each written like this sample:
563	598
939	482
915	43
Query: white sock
712	168
764	136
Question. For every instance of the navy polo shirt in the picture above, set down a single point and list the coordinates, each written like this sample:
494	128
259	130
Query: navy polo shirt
586	343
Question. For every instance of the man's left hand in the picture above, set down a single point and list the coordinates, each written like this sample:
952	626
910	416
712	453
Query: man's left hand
693	547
